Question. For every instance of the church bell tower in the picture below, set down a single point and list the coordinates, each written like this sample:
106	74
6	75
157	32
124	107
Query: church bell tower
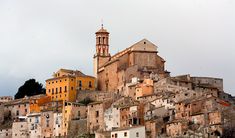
102	54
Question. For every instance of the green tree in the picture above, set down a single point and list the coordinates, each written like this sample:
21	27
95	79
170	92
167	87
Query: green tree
86	101
30	88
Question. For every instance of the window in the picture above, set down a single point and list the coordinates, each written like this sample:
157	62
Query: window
52	90
116	135
60	89
125	134
56	90
25	110
97	113
79	114
137	134
36	120
80	83
65	88
71	88
17	112
90	84
49	90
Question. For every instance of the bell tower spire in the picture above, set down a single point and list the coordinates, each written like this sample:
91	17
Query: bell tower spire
102	42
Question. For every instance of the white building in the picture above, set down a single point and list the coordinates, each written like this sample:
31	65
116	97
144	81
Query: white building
57	131
112	118
34	125
6	133
20	129
129	132
167	103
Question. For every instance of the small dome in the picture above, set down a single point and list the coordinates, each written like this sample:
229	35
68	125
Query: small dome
102	30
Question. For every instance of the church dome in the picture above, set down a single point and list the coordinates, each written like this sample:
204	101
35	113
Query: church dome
102	30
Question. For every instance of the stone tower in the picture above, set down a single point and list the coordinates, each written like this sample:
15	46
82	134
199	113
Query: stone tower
102	54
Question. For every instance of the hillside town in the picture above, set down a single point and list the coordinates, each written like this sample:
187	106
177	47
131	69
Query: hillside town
131	95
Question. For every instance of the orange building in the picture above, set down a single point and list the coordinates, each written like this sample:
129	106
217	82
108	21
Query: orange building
65	84
36	101
145	88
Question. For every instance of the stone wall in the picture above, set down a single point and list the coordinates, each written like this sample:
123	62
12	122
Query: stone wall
77	128
94	95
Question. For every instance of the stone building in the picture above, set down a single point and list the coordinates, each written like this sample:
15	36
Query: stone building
131	115
16	108
139	60
155	127
187	108
20	128
52	106
4	99
95	117
1	113
177	128
72	111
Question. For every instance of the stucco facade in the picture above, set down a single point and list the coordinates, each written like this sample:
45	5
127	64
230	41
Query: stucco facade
65	84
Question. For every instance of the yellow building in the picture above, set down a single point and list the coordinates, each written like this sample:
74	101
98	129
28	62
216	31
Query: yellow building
65	84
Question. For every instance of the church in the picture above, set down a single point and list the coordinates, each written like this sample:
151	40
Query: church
114	72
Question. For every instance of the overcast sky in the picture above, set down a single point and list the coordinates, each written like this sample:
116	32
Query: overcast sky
37	38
